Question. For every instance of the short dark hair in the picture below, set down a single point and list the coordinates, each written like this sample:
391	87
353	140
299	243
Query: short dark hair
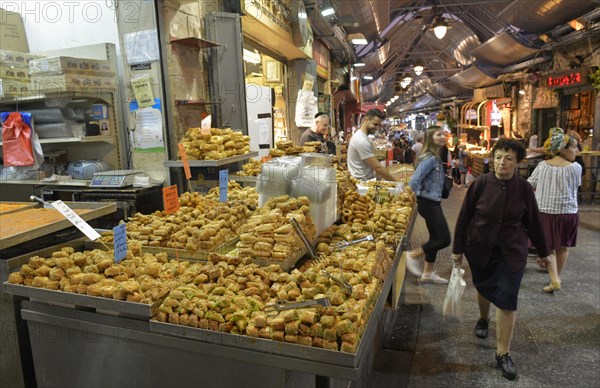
506	144
319	114
375	113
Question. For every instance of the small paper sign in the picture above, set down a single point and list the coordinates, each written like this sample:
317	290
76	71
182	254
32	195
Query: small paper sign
120	242
170	199
75	220
223	182
184	160
266	158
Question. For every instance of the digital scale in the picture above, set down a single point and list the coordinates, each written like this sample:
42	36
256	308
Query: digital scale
114	178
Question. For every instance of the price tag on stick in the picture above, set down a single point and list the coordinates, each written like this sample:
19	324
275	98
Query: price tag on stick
223	183
170	199
184	160
186	165
120	242
75	220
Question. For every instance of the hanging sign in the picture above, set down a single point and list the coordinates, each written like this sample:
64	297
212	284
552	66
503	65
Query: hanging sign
76	220
563	79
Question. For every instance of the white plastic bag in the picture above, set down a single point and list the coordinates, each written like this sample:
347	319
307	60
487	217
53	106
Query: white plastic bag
456	288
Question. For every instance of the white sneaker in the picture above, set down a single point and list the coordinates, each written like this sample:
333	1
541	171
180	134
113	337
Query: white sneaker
413	265
433	278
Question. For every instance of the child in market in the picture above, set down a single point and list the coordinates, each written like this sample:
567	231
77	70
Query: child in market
455	170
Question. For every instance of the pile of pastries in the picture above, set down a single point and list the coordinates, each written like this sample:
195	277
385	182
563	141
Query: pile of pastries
233	295
200	223
269	236
218	144
251	168
287	147
236	193
143	278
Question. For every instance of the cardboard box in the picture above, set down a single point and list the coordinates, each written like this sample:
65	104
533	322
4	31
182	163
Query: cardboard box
69	65
65	82
17	58
12	32
10	87
17	72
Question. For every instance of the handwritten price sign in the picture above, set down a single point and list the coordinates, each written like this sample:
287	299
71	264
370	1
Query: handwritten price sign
170	199
120	242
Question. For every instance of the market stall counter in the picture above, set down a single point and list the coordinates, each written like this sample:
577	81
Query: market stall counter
99	343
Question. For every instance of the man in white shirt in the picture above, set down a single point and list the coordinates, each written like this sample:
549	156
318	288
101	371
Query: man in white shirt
418	146
362	162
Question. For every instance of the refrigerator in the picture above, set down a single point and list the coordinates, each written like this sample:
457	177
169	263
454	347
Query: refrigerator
259	108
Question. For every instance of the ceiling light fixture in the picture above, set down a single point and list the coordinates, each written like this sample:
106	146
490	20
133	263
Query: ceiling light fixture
407	79
359	64
358	39
328	11
440	27
576	25
418	69
368	77
522	92
251	56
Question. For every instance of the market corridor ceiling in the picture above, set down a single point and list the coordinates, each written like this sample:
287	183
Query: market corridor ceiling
484	39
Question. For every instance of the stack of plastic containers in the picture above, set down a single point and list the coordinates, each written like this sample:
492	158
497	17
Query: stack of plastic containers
276	177
310	175
318	183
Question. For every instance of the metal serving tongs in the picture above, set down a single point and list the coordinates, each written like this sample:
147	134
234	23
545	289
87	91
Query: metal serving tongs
343	244
320	258
275	308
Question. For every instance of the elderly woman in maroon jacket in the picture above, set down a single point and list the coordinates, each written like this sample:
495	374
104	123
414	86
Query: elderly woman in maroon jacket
498	215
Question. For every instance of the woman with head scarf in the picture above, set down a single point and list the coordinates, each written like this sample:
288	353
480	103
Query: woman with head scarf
498	216
556	182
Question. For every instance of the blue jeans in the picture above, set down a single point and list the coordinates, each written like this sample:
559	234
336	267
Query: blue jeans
439	234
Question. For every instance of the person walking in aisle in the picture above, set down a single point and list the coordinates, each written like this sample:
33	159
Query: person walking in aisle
556	182
498	215
361	159
427	183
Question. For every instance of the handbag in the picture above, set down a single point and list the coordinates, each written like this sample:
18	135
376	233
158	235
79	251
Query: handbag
454	293
448	183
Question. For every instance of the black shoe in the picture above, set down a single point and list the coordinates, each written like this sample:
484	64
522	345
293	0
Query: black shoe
507	365
481	330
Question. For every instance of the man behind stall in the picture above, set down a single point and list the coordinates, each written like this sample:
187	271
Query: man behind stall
317	131
362	162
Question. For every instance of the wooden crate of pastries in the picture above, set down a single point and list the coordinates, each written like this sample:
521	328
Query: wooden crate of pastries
219	144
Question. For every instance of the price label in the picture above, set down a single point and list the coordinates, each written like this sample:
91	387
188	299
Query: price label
184	160
266	158
170	199
223	183
79	223
205	131
120	242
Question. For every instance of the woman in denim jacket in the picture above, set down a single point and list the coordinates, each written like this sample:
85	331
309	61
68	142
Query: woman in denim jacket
427	183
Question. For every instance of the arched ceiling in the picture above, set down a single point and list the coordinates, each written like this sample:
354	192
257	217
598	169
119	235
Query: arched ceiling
485	37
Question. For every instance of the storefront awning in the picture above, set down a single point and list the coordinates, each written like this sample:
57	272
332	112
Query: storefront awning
365	107
343	96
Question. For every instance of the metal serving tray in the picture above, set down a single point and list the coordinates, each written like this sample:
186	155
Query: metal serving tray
102	305
261	345
201	255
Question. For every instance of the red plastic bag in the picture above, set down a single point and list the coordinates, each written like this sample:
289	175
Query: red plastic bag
16	139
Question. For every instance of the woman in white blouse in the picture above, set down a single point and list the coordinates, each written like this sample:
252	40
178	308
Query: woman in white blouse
556	182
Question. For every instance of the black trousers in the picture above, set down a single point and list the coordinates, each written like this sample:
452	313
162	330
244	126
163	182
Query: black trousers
439	233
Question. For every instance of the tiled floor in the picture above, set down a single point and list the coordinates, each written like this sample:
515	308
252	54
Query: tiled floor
556	341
